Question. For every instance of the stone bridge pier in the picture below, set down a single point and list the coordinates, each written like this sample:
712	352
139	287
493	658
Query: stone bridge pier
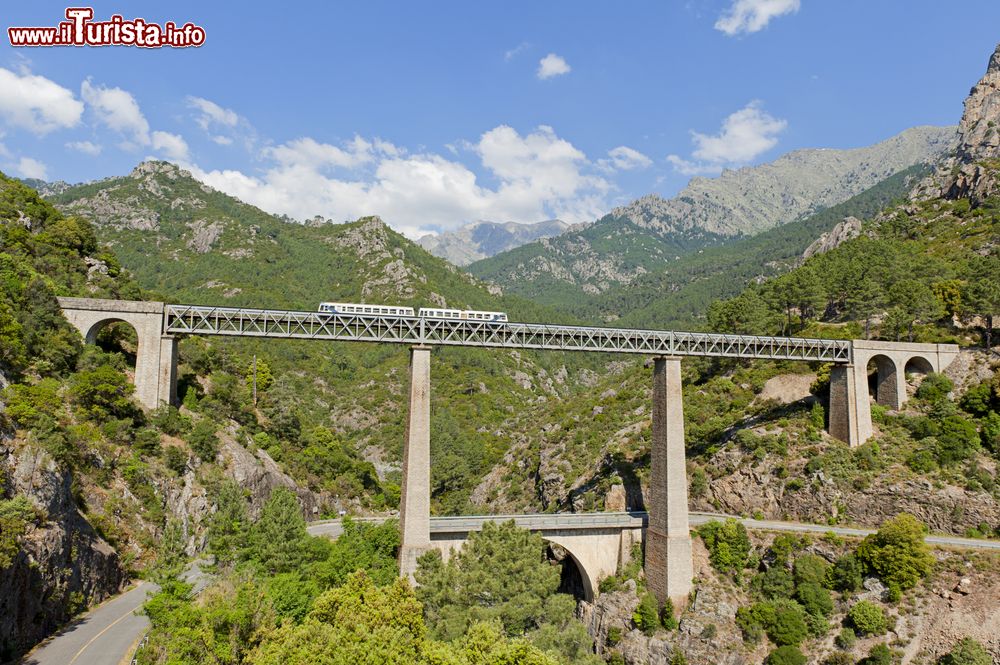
156	356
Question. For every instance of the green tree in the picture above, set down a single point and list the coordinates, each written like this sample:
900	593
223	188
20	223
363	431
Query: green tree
728	544
279	540
982	294
203	440
500	574
786	655
897	553
846	574
103	393
917	301
229	525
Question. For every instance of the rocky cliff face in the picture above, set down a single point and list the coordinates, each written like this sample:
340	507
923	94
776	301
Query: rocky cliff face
484	239
846	230
968	172
62	566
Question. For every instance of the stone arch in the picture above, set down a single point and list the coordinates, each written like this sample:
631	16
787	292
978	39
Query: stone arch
156	354
889	389
589	585
918	365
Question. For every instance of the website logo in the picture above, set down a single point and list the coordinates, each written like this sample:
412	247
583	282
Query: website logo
81	30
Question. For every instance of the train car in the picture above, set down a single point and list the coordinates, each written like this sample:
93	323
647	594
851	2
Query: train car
362	308
463	315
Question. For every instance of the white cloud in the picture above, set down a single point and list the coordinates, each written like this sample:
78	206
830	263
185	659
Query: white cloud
117	110
210	113
538	176
86	147
747	16
744	135
35	103
222	140
552	65
310	153
31	168
624	158
173	146
514	52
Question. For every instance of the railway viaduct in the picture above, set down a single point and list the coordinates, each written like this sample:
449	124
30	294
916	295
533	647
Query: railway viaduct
597	549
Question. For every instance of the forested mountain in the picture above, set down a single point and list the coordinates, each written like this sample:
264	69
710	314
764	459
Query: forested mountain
483	239
634	240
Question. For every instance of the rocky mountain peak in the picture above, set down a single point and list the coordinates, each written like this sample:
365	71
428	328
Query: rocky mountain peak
848	229
155	167
979	133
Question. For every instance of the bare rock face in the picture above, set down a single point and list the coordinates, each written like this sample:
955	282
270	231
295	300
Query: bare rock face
261	475
846	230
965	175
979	134
62	566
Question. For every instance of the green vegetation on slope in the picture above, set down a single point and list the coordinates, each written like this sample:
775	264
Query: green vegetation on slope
284	596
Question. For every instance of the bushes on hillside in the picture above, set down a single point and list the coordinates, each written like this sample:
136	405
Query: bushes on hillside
867	618
897	553
728	544
966	651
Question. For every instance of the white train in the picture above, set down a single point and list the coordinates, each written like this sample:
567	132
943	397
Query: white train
425	312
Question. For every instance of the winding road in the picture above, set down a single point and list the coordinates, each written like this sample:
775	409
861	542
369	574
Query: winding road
108	634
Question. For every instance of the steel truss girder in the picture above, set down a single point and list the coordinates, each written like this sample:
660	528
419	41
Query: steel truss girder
234	321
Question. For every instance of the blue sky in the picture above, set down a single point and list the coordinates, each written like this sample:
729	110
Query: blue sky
436	114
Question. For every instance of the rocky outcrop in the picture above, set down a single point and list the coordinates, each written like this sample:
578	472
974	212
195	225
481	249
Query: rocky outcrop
978	132
970	172
63	565
260	475
846	230
483	239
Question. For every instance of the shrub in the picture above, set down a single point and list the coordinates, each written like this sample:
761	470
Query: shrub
774	583
867	618
175	459
609	584
935	387
728	544
147	441
614	636
846	574
846	639
103	393
789	626
646	617
203	440
880	654
957	440
785	655
897	553
667	618
839	658
966	651
810	568
815	599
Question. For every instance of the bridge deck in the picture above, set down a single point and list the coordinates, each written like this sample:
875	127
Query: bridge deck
200	320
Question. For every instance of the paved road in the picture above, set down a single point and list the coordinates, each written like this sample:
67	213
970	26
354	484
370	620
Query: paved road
107	634
569	521
103	636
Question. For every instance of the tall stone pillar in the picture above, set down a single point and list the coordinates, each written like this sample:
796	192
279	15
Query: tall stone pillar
147	369
167	393
850	417
669	570
415	499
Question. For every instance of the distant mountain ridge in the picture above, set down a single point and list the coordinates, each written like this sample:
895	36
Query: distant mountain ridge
481	240
647	234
